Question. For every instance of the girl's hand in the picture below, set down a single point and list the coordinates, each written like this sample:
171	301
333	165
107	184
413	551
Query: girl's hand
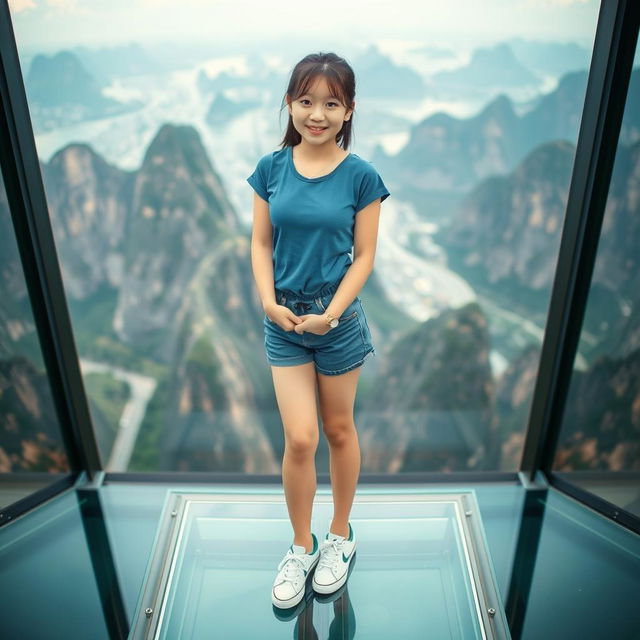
282	316
312	323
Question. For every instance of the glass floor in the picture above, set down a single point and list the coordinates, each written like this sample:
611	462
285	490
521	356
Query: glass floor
439	561
428	549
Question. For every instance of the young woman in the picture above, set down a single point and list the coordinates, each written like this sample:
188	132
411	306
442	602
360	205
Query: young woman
314	201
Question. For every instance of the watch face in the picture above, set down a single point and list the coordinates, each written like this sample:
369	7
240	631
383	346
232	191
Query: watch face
334	323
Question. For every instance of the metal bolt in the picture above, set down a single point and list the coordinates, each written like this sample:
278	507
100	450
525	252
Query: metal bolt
491	611
467	513
174	514
148	612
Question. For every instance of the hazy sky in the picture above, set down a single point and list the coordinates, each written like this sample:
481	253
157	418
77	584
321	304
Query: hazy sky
47	24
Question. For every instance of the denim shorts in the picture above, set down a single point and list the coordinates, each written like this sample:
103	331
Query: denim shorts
339	350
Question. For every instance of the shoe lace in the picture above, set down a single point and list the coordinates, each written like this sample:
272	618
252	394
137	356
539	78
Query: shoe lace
293	567
329	553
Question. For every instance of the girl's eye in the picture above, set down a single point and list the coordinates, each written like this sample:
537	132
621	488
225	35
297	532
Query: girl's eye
332	103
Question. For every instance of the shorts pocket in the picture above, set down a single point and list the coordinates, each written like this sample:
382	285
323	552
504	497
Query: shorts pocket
344	318
366	332
350	312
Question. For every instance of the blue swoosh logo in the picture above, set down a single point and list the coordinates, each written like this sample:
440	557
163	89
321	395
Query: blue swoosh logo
346	558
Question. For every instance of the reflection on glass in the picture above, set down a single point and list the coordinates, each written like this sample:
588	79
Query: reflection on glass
145	148
31	448
600	439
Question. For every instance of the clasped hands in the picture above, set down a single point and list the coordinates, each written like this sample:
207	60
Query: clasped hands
287	320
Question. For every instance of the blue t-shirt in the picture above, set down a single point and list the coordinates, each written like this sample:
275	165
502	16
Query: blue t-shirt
313	218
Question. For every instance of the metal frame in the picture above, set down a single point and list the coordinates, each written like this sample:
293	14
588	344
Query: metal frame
525	558
116	621
606	508
57	484
238	478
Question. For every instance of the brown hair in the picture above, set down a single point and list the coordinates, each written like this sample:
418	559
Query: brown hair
342	84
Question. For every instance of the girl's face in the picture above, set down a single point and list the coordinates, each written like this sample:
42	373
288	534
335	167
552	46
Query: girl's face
317	115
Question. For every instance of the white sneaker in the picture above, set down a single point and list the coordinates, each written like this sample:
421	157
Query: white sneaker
289	585
336	554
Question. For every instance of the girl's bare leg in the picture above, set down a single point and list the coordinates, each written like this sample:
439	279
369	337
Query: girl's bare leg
295	389
337	398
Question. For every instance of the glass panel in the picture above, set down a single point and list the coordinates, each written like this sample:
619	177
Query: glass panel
145	148
599	444
201	566
47	583
586	578
133	512
32	453
46	563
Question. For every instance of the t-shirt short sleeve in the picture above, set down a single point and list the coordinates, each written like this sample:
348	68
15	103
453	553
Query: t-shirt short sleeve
260	177
371	187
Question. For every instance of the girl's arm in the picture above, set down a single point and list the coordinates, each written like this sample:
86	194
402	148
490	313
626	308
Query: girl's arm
365	239
262	251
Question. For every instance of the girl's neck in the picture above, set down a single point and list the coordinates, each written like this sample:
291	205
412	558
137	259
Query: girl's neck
318	153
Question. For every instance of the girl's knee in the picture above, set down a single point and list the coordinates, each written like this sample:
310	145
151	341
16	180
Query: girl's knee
337	430
301	445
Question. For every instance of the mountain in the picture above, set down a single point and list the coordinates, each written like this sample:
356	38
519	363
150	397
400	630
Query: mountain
557	115
445	157
61	91
120	61
431	404
166	241
491	67
504	237
178	205
87	201
223	110
446	153
550	58
618	264
379	77
29	431
601	422
616	275
513	396
524	210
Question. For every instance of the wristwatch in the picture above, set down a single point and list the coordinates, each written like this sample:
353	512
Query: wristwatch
331	321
